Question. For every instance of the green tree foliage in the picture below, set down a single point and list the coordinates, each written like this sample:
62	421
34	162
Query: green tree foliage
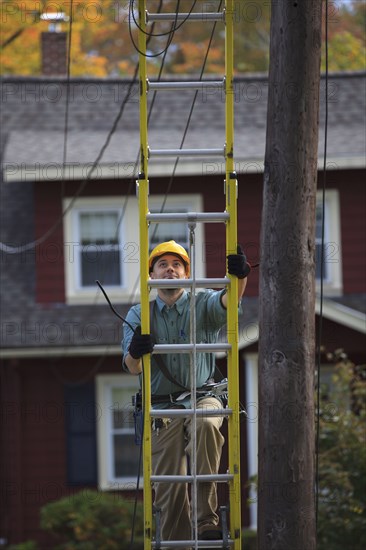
102	46
342	459
346	45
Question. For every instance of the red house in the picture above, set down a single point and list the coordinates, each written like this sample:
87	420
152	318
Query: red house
66	221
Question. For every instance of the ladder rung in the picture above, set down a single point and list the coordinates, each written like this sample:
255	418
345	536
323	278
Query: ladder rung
188	216
191	543
196	85
187	283
184	348
171	413
194	16
203	478
187	152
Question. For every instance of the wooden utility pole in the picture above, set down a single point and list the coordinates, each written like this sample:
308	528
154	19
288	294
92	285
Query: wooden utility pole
286	507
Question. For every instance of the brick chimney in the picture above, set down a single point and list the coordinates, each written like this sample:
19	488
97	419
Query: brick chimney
53	45
54	53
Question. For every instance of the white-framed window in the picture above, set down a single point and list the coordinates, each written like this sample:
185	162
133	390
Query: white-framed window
117	451
332	253
252	408
101	242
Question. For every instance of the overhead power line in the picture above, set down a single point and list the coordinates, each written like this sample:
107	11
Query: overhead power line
29	246
320	326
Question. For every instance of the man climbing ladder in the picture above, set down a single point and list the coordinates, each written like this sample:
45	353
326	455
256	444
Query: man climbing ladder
194	418
170	389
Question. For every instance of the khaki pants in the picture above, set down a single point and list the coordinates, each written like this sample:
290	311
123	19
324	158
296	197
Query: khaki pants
169	457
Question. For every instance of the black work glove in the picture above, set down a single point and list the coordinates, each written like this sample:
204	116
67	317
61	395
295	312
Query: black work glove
237	264
140	344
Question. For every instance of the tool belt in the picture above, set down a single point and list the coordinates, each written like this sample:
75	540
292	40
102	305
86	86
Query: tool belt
210	389
169	398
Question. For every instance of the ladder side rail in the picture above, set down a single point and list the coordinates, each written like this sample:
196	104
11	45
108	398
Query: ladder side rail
232	412
232	309
143	190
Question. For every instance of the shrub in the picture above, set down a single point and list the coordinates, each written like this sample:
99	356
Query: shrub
342	460
249	539
29	545
91	520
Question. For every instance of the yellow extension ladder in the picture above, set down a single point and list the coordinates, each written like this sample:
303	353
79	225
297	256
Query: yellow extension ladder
232	535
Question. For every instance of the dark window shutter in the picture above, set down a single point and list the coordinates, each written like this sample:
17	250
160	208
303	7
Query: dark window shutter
80	423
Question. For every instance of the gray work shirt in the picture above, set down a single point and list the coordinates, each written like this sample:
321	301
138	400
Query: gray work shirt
171	325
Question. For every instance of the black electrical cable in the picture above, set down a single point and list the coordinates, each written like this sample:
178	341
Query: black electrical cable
135	167
176	27
20	31
170	183
136	420
83	184
162	208
130	326
138	472
170	35
164	52
320	326
112	307
12	38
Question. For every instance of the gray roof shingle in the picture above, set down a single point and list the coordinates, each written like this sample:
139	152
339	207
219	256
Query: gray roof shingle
33	122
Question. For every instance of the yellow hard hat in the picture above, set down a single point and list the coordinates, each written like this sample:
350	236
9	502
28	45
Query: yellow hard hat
169	247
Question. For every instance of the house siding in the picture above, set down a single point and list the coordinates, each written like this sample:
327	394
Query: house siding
12	516
50	281
353	230
50	285
17	229
33	431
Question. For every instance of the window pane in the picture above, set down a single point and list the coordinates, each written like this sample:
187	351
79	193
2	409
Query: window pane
97	263
80	424
126	452
318	259
126	456
318	244
167	231
123	419
319	215
99	227
119	397
122	410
